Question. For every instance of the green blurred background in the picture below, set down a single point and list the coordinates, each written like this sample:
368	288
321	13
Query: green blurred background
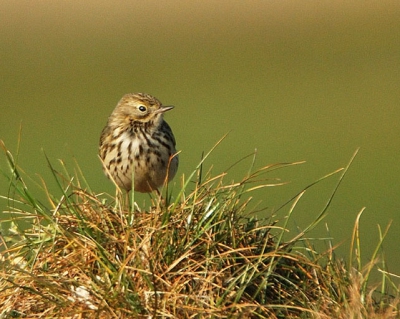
296	80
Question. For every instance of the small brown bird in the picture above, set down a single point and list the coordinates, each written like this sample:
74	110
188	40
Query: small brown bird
138	144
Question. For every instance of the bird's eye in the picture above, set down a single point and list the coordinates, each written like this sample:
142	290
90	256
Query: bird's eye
142	108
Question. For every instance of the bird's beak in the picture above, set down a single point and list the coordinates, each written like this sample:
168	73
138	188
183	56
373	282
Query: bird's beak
163	109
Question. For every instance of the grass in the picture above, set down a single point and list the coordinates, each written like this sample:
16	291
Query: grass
202	254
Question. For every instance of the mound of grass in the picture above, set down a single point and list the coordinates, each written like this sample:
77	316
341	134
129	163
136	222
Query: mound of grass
204	254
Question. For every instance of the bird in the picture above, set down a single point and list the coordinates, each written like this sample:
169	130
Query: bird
137	146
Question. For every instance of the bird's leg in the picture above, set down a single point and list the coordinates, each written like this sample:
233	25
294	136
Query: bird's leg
162	201
118	200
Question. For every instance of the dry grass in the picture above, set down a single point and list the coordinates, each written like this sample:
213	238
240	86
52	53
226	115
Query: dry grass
204	255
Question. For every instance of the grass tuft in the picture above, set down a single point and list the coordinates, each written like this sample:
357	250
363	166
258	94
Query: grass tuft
203	254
